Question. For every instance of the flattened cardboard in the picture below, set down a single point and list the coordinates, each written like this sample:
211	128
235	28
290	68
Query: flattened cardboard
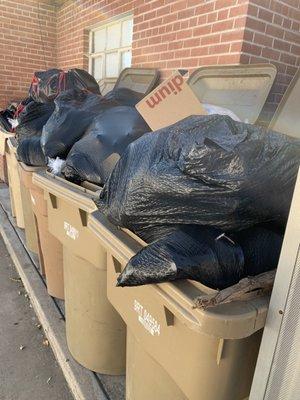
170	102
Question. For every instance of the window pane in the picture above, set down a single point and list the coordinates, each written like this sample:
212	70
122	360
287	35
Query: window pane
126	59
99	39
113	36
112	65
97	68
127	27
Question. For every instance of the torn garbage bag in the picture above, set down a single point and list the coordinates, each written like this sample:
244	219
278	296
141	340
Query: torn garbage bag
94	156
47	85
74	111
203	254
203	170
124	96
32	118
30	151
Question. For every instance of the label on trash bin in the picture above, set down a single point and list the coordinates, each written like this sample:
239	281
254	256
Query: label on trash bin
146	319
71	231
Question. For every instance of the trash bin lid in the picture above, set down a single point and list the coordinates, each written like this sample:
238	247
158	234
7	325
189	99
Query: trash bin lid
242	89
80	196
229	321
4	135
28	168
142	80
106	85
286	117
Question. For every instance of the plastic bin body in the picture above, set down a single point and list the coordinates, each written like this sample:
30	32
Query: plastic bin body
3	169
14	182
187	353
29	221
96	335
49	248
3	164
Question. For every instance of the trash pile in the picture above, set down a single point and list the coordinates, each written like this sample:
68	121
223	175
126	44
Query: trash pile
210	195
64	107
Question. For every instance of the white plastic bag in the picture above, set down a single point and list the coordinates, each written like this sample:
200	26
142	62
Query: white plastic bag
212	109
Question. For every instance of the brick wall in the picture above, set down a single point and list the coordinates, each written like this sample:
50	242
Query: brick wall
188	33
272	34
28	43
168	34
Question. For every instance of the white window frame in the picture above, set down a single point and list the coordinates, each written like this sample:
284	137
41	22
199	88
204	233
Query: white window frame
104	53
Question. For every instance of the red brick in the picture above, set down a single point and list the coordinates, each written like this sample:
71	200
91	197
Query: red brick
202	30
288	59
274	31
222	26
199	51
182	53
195	42
179	5
281	45
176	45
229	59
264	40
184	34
265	15
211	39
189	63
256	25
232	36
251	48
219	49
270	54
223	14
238	11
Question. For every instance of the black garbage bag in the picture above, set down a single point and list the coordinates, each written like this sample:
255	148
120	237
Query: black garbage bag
124	96
94	156
30	152
5	115
32	118
74	111
47	85
204	170
204	254
261	248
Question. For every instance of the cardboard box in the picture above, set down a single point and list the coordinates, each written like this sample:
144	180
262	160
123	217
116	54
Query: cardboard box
170	102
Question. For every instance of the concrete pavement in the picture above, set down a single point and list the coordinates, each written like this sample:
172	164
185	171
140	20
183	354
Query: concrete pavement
28	369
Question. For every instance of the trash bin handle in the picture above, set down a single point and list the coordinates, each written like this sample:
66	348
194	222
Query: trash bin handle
174	309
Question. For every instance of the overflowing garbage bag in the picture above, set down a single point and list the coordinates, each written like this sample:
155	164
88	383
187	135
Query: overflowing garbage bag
75	110
204	254
94	156
30	152
124	96
47	85
32	118
203	170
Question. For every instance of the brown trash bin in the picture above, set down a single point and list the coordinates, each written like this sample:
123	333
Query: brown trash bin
176	351
14	182
3	169
4	135
49	248
96	335
31	235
